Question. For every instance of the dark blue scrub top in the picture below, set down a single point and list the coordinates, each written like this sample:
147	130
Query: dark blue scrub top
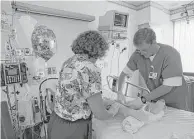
167	63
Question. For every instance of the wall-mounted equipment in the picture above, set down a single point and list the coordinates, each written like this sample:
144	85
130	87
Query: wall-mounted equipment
51	70
113	25
35	9
23	70
2	76
13	73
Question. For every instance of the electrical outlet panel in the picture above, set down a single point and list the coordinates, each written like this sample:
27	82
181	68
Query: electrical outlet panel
52	70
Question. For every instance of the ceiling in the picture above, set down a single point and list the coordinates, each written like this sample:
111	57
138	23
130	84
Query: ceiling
166	4
136	3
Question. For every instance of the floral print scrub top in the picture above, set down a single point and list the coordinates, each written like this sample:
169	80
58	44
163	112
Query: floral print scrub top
78	79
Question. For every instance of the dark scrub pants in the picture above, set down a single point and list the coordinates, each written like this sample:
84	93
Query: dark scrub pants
59	128
167	64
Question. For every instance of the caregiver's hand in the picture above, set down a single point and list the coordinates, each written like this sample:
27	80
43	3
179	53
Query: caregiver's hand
107	103
135	104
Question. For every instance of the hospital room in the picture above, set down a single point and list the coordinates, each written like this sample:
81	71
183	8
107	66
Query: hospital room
98	69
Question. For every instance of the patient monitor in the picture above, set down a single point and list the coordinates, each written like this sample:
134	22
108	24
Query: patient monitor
113	25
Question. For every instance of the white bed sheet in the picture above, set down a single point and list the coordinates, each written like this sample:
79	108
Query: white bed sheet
176	124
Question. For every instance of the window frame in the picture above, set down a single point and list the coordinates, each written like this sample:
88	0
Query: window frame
184	73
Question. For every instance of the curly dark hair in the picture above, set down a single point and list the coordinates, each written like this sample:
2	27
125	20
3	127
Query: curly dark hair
91	43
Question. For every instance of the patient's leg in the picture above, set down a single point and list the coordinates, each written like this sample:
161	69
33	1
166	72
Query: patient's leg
138	114
141	115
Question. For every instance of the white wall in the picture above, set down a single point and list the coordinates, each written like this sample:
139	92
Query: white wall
160	22
144	16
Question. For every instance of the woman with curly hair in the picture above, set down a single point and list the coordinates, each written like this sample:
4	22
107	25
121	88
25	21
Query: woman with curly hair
79	93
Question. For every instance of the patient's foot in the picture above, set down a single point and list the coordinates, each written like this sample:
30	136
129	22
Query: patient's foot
157	107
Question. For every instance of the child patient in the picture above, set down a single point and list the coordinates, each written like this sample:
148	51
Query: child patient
146	113
153	108
135	119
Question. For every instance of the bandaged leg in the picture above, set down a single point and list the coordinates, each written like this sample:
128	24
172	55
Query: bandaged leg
138	114
144	114
135	119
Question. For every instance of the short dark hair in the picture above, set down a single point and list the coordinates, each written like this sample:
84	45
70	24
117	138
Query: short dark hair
91	43
145	34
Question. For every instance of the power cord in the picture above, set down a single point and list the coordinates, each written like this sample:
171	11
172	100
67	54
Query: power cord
118	62
111	61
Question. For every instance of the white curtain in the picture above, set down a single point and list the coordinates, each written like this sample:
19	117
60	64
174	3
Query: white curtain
184	43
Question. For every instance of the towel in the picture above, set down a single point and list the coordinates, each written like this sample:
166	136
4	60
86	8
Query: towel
131	124
149	113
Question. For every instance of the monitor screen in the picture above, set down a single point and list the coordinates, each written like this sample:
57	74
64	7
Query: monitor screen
120	20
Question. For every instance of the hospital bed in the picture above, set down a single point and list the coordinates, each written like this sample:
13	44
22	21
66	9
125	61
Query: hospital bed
176	124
